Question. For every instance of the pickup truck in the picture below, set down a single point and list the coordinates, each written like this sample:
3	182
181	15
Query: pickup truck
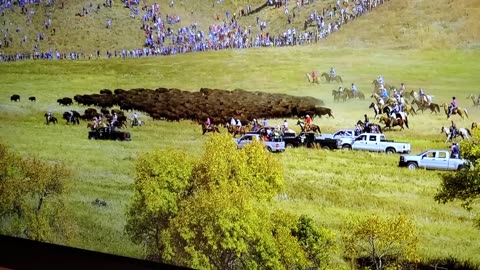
433	160
344	136
271	146
377	143
309	140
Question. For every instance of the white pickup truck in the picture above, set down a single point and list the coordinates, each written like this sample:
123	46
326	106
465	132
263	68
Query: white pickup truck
344	136
433	160
271	146
377	143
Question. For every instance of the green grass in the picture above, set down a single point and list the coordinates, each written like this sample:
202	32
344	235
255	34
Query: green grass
329	186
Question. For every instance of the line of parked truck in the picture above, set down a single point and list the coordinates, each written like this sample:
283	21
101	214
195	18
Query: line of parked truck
347	139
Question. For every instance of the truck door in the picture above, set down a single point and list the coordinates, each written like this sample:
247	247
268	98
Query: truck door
360	143
372	144
443	161
244	140
429	160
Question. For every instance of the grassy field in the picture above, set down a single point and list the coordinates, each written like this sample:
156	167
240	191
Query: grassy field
329	186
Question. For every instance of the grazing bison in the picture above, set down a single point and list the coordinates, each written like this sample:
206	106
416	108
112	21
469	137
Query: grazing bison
65	101
323	111
106	92
32	99
15	98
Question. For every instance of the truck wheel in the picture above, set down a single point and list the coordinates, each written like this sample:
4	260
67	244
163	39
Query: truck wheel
390	150
347	147
289	145
325	147
461	167
269	149
91	137
412	165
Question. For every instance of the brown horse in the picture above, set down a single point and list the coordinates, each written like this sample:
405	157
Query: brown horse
234	130
329	78
211	128
460	111
392	122
312	127
434	107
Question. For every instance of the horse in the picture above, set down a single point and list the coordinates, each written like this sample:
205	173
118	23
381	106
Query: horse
376	109
474	125
211	128
475	99
234	130
312	79
376	85
72	117
380	100
392	122
460	111
136	123
372	128
408	109
51	119
425	99
329	78
312	127
337	95
462	132
434	107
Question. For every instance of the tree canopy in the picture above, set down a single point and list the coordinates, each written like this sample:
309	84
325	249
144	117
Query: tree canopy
464	185
32	200
216	212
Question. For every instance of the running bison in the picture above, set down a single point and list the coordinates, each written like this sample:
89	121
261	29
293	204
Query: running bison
15	98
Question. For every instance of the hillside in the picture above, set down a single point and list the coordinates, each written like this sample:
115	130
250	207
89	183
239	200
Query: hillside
396	24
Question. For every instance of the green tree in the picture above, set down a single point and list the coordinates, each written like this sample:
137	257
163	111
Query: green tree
32	200
464	185
383	241
216	212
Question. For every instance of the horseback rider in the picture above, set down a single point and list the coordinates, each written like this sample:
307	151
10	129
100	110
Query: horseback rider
455	150
94	123
402	88
135	118
285	125
453	106
333	74
423	98
401	102
49	115
70	116
239	125
265	122
114	119
314	76
367	121
255	124
453	129
354	90
384	94
380	79
232	122
308	121
208	122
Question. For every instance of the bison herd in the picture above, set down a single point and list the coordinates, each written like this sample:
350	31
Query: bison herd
218	105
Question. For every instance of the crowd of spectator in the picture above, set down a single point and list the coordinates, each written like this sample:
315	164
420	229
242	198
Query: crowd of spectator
162	39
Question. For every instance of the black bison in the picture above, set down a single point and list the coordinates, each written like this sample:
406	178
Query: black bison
15	98
323	111
65	101
32	99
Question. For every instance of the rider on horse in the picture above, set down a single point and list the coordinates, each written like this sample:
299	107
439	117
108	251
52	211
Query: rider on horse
455	150
333	74
49	115
367	121
208	123
453	129
285	126
423	97
308	121
314	76
135	118
453	106
239	125
354	90
255	124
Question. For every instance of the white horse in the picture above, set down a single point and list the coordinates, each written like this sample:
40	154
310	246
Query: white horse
462	132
